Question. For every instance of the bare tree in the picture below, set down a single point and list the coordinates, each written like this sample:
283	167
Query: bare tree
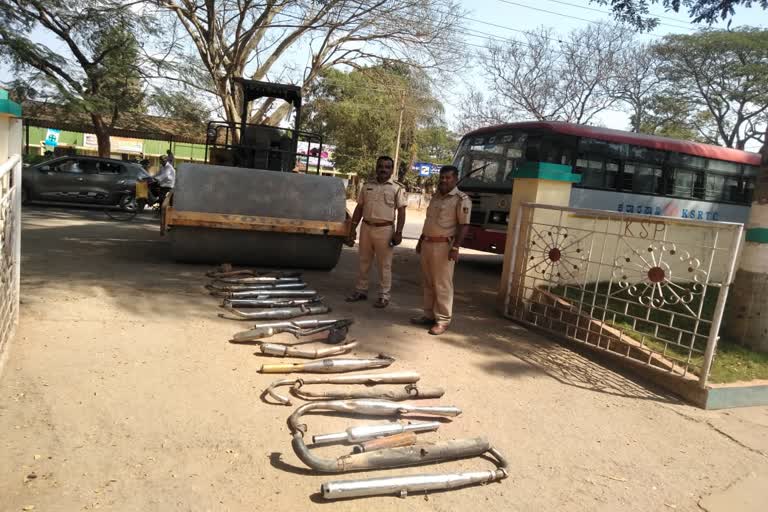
257	39
476	110
548	78
638	82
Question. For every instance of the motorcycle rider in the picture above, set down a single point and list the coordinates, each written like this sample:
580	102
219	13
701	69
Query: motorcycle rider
165	178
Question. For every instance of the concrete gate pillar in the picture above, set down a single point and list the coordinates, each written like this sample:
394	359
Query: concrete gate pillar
10	221
746	316
534	182
10	127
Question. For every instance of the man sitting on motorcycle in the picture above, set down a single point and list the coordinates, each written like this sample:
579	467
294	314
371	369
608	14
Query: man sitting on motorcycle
165	178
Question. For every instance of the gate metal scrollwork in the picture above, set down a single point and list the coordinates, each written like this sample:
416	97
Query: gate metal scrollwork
649	289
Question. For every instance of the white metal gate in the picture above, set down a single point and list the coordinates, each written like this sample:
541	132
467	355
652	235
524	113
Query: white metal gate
651	289
10	247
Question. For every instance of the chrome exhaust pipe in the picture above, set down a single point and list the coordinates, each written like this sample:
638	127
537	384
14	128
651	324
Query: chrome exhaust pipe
225	287
409	392
264	294
258	279
368	379
369	408
296	327
366	432
403	485
330	365
268	303
421	453
277	313
277	349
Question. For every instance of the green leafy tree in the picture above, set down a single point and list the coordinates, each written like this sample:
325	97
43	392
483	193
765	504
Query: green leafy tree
360	111
721	78
667	116
436	144
638	14
97	73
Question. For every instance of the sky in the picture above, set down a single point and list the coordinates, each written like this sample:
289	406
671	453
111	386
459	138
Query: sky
565	16
509	19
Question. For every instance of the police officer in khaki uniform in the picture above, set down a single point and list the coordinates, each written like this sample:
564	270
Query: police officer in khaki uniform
379	201
444	229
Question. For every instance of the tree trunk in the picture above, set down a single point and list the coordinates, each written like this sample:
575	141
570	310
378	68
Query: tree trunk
101	129
746	319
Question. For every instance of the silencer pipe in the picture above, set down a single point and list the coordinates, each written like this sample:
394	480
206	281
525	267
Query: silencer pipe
365	432
277	349
369	379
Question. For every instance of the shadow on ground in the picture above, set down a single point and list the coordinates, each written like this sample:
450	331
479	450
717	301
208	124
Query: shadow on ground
130	263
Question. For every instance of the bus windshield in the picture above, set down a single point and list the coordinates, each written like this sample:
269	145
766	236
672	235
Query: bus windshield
497	155
501	154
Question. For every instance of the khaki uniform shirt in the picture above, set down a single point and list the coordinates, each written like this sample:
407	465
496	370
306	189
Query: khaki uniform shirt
380	200
445	212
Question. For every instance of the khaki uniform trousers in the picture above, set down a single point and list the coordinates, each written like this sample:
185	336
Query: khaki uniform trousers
437	281
374	242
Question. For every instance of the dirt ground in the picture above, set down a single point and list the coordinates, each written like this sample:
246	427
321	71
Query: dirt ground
121	392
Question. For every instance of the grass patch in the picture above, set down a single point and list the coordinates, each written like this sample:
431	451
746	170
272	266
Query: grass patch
659	329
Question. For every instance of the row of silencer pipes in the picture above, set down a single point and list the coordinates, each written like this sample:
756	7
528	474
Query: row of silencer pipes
384	446
396	453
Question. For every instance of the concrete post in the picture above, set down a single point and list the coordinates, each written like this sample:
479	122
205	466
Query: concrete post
534	182
10	187
746	319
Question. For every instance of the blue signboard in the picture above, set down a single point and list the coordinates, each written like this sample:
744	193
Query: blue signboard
52	137
426	168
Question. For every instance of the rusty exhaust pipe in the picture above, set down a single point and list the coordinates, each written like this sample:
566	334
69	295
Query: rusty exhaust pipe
368	379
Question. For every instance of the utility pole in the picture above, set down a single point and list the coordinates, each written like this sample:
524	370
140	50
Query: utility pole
746	320
399	129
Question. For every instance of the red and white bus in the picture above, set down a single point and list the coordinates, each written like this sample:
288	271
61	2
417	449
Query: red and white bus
620	171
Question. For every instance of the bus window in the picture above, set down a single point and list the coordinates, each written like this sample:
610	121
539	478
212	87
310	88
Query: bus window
514	157
611	172
722	188
749	189
553	149
645	179
592	175
491	175
627	177
477	144
500	154
692	162
606	150
681	183
699	186
646	155
724	167
492	147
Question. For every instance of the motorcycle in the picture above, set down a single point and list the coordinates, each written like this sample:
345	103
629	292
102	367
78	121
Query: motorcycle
146	193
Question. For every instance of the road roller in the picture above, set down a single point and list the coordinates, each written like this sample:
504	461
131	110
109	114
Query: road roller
255	201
